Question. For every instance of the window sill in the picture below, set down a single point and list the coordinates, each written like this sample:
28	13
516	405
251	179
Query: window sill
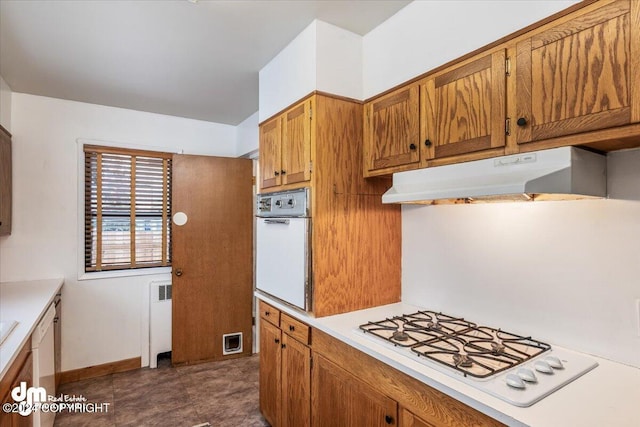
123	273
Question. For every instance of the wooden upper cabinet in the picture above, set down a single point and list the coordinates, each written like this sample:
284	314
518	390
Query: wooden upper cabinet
580	75
392	130
270	146
463	109
296	144
285	147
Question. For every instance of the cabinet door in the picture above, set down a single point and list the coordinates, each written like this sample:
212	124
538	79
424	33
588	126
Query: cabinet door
391	130
340	399
296	383
464	110
296	144
270	145
580	75
408	419
270	365
5	182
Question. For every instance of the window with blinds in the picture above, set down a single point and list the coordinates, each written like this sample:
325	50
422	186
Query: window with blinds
127	209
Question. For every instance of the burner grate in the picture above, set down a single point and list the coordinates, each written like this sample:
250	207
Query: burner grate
476	351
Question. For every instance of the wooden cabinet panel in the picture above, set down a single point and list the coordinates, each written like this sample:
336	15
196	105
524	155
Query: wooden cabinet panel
580	75
296	383
295	328
296	144
5	182
270	370
408	419
340	399
391	130
270	146
463	110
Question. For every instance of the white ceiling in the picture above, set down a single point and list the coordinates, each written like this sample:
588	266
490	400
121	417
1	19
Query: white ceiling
196	59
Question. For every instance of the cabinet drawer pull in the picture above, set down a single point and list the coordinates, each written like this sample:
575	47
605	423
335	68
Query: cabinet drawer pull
292	328
283	172
267	313
412	147
283	346
522	122
388	419
276	173
277	341
427	143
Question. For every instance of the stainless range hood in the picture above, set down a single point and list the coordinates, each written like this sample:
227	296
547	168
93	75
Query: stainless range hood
565	173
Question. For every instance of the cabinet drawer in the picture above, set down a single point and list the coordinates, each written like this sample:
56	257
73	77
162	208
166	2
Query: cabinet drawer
295	328
270	314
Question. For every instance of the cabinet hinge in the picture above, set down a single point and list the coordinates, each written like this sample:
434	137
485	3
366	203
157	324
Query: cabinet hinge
507	66
507	126
311	166
310	113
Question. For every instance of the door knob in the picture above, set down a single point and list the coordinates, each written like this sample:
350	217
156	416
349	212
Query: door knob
179	272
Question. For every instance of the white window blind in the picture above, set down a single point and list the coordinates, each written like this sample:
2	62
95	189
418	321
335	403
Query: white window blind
127	208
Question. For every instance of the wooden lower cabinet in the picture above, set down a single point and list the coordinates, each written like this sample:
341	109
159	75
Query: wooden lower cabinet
270	366
340	399
20	370
285	370
409	419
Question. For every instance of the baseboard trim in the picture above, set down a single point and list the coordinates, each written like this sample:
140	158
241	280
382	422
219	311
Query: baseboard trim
100	370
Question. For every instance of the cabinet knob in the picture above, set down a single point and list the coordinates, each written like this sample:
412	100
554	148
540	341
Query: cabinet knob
522	122
283	172
388	419
412	147
427	143
283	346
277	341
267	313
276	173
292	328
179	272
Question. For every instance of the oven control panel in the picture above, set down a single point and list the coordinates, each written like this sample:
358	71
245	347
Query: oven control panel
294	203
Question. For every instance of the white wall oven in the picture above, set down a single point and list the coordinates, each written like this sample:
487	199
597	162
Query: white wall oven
283	246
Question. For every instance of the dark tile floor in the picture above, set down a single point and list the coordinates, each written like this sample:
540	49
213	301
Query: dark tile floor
219	393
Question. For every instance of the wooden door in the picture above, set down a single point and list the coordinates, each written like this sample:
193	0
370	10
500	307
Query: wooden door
212	256
464	109
580	75
270	152
296	144
5	182
296	383
391	130
270	372
340	399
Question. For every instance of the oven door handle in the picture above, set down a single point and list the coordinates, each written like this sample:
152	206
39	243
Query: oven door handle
276	221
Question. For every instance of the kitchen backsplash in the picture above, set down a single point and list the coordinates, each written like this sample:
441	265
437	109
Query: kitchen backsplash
564	272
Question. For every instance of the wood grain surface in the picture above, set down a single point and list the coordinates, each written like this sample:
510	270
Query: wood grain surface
425	402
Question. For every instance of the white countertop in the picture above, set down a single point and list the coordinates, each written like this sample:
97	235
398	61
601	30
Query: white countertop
24	302
607	395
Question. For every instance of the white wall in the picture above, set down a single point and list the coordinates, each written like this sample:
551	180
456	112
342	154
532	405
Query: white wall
426	34
322	57
566	272
248	135
5	105
103	320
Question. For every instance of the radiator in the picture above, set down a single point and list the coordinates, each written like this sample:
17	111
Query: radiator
159	320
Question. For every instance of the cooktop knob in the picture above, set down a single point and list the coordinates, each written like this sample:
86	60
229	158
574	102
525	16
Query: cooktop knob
515	381
554	361
543	366
528	375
